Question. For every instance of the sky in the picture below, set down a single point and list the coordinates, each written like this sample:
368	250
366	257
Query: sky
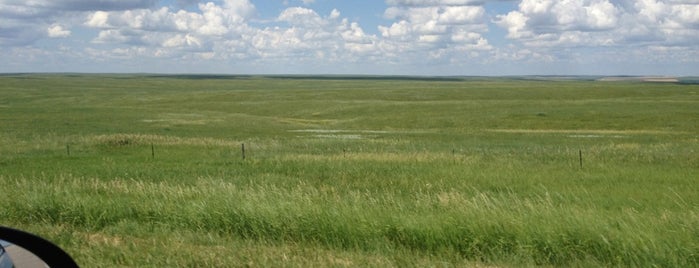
373	37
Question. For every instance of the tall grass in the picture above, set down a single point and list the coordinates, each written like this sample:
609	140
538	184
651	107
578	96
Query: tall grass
352	173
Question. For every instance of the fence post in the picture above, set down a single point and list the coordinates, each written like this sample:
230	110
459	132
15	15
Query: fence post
242	149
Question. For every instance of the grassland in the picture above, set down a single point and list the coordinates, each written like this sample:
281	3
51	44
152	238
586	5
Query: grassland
133	170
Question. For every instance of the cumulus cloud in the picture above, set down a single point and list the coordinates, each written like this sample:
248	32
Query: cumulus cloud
312	36
211	20
414	32
57	31
550	20
629	28
549	24
165	28
223	31
44	8
29	21
671	22
299	16
436	29
433	2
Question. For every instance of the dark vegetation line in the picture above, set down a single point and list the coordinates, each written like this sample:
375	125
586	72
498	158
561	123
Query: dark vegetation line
681	80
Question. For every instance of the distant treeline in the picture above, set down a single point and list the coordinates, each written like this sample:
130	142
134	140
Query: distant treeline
689	80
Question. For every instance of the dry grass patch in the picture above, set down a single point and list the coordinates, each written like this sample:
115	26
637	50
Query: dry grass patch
584	131
306	122
183	119
124	139
379	157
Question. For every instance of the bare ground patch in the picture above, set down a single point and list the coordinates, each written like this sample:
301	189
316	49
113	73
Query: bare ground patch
583	132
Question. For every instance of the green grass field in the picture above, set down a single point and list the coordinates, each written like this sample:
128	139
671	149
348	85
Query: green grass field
135	170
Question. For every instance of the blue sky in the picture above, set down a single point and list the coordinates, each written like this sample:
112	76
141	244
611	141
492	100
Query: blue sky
404	37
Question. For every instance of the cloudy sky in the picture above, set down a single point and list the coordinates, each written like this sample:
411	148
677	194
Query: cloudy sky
408	37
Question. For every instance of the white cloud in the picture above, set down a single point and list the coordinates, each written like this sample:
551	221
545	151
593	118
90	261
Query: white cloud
166	33
211	20
99	19
180	40
462	15
433	2
313	37
516	24
436	30
222	32
542	17
546	26
414	33
57	31
601	22
29	21
298	16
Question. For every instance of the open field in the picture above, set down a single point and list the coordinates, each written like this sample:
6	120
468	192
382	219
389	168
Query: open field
129	170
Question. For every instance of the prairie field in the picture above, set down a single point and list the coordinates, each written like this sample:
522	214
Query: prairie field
229	171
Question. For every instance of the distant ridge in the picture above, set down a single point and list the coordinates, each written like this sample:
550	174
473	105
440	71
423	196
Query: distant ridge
657	79
454	78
